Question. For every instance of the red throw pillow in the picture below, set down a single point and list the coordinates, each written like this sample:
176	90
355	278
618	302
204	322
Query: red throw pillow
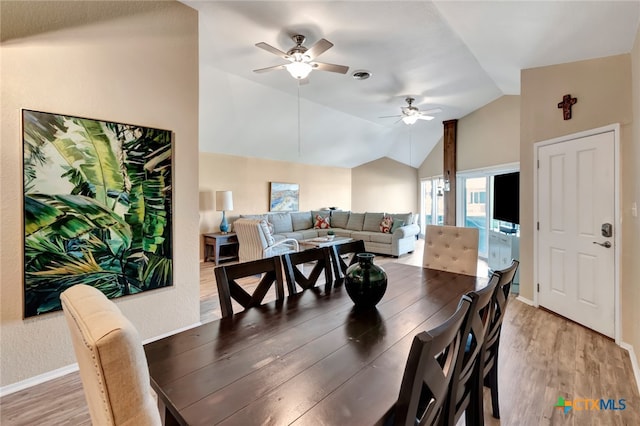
322	222
386	224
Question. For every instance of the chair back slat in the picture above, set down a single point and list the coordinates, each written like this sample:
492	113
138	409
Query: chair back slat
430	370
294	269
352	248
229	289
492	343
468	386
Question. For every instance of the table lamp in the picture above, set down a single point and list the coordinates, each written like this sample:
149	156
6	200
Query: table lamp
224	201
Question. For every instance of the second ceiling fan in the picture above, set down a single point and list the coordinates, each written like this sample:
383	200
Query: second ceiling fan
411	114
301	59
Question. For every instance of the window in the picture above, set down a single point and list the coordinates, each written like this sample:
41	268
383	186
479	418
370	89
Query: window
432	210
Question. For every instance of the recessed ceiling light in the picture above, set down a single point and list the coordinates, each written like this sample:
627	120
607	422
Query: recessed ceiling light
361	75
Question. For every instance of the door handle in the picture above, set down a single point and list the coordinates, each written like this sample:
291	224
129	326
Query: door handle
606	244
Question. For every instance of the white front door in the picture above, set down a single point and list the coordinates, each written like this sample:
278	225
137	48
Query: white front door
576	257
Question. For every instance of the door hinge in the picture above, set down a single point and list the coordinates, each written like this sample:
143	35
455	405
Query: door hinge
538	287
538	226
538	163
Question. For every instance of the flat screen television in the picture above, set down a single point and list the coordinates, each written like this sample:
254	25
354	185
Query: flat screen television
506	198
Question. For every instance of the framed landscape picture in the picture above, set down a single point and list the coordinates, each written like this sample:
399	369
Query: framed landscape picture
97	208
284	197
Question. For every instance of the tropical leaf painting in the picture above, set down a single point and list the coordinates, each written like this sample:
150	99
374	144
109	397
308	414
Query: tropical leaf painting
97	208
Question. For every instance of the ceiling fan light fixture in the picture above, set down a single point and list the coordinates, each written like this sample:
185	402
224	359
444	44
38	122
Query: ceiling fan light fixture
299	70
410	119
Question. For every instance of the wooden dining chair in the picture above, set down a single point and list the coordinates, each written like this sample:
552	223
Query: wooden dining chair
430	371
451	249
270	270
112	362
339	252
492	339
467	387
294	269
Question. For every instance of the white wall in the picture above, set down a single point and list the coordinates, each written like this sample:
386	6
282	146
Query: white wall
119	61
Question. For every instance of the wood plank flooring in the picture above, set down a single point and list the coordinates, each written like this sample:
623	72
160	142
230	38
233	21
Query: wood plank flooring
542	357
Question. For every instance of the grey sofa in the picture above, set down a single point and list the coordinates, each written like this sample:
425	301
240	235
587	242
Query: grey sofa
359	226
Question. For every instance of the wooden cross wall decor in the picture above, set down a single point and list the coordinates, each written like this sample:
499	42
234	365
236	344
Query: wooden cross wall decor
566	104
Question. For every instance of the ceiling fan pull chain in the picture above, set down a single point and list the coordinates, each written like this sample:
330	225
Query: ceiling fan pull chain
299	148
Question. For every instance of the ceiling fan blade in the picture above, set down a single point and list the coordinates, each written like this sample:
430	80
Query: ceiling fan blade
431	111
271	49
341	69
319	48
276	67
390	116
424	117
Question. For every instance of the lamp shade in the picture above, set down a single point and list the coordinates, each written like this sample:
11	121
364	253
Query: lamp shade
224	200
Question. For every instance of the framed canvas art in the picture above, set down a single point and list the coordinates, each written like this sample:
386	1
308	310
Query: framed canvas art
97	208
284	197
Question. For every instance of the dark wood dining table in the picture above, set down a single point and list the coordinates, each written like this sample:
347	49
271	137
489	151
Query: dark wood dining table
310	359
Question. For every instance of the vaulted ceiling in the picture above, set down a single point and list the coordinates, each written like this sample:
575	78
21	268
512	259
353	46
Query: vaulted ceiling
457	56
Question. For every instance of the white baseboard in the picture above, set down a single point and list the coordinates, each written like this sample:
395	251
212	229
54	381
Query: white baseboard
59	372
36	380
526	301
169	333
634	362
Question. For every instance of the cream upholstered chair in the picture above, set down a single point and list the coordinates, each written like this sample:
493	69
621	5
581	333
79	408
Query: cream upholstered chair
451	249
256	241
113	365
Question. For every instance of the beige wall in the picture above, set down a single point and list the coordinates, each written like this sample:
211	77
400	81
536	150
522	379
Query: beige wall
603	89
249	178
385	185
139	66
434	163
487	137
632	191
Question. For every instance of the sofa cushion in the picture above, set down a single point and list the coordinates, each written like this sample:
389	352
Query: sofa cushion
301	220
380	237
356	220
407	218
281	222
339	219
362	235
397	223
321	222
385	224
372	222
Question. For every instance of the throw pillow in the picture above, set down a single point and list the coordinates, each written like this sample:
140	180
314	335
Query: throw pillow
385	225
396	224
271	228
322	222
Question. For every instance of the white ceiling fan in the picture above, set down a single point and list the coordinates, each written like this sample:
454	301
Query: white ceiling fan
301	59
411	114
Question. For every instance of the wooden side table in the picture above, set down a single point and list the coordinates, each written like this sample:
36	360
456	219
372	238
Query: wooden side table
221	247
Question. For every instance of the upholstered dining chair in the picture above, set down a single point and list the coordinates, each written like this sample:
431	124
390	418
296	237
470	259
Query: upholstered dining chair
467	388
294	269
270	272
492	339
349	250
430	372
451	249
113	365
256	241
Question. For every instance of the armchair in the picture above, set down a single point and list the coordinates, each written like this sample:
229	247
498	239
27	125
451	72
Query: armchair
257	242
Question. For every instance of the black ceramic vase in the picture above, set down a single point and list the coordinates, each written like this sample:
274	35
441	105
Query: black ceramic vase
365	282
